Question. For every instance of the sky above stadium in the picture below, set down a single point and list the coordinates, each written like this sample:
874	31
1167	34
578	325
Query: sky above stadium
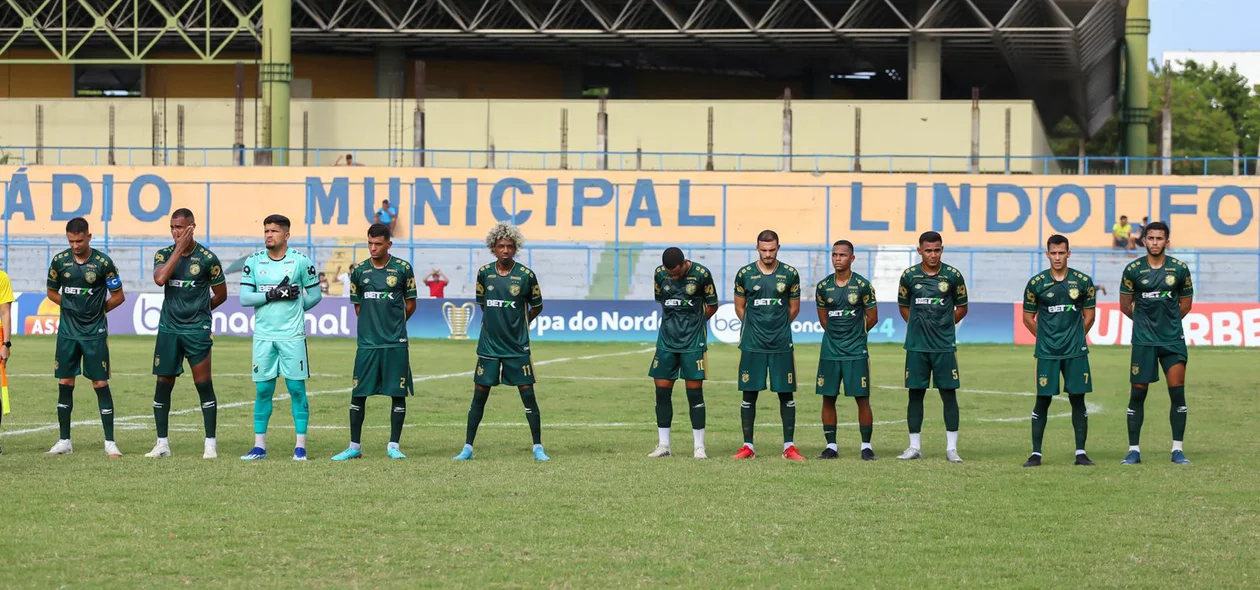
1203	25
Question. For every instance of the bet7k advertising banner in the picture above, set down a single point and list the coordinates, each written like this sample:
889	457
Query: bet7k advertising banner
1209	324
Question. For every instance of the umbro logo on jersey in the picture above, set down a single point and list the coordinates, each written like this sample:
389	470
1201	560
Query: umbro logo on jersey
500	303
767	301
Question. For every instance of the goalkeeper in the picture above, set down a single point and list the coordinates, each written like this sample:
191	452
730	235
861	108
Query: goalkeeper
281	284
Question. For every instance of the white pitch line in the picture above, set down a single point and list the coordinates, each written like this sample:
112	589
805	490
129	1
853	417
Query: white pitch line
123	421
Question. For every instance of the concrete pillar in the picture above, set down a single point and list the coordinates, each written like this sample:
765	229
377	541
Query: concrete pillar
924	72
391	67
276	74
1136	113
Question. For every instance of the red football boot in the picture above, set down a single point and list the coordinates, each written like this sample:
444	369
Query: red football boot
791	454
745	452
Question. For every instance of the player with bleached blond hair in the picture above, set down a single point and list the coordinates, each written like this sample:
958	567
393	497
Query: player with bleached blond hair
509	297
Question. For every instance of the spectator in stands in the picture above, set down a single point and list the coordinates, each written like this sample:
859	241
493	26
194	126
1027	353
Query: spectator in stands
346	160
1122	234
437	282
389	216
1139	229
323	283
344	277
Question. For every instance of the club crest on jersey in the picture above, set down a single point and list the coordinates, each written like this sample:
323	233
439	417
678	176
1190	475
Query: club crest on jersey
853	298
89	276
1170	280
391	281
194	269
690	288
514	290
781	287
1074	293
942	286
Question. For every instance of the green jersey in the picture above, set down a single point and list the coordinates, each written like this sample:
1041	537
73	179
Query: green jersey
1157	295
505	301
186	300
931	299
84	290
844	335
380	297
279	320
767	325
1059	306
683	327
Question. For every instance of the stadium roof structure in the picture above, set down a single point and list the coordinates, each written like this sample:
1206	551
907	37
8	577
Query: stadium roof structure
1063	54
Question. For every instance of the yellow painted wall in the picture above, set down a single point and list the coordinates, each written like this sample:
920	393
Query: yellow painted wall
901	128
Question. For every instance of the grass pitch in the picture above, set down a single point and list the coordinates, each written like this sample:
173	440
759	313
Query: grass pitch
601	514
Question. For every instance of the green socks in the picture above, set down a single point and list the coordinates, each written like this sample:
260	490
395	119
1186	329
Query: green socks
397	417
1039	419
301	410
1080	420
787	412
65	405
475	411
1177	412
105	401
695	401
531	413
209	407
748	415
358	410
914	411
949	399
866	431
664	407
265	390
162	407
1137	399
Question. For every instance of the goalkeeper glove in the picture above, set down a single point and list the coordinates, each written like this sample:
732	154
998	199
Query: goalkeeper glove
279	292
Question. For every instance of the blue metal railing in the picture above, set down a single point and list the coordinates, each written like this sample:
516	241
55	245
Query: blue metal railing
635	160
817	264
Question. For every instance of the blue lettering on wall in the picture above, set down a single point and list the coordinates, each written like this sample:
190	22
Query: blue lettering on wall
643	204
912	206
427	195
959	210
470	210
17	199
1244	206
685	218
500	212
856	223
991	222
1166	207
581	201
1052	208
163	207
59	182
553	198
322	204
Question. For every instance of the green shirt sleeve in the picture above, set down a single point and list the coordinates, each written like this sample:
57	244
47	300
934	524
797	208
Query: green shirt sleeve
1186	283
409	273
868	295
656	285
355	297
54	279
960	289
216	271
1090	301
1030	295
112	280
159	257
739	284
481	288
710	290
1126	281
794	289
820	295
535	291
903	290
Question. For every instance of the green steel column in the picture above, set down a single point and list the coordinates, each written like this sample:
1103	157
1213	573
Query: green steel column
276	74
1136	113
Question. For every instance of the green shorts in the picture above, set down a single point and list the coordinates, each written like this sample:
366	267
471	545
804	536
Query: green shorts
92	354
1144	361
669	365
923	369
779	367
283	358
171	350
382	371
1075	372
516	371
855	374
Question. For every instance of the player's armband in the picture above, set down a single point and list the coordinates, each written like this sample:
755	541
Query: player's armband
112	282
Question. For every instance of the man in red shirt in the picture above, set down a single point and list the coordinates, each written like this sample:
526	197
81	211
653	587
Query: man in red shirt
437	282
